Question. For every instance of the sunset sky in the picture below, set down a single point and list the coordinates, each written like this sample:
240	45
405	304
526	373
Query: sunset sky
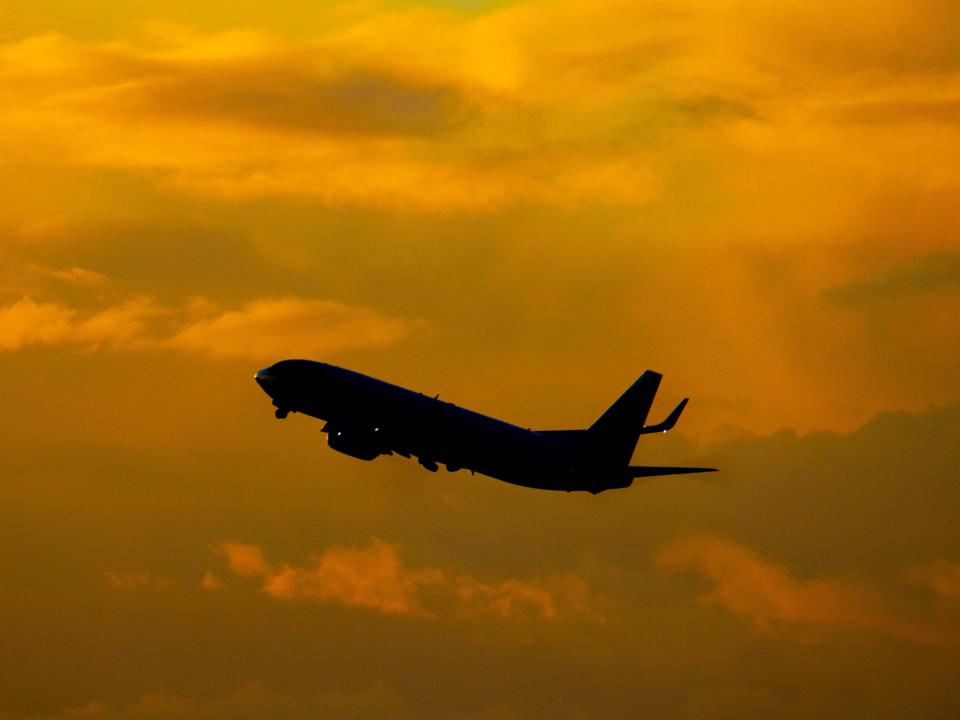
520	206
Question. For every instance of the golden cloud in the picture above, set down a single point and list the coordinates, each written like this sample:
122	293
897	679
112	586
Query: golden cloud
27	322
543	597
260	329
261	116
376	578
211	581
430	110
279	327
243	559
746	584
76	275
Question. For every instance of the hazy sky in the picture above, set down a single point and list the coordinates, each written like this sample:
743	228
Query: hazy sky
520	206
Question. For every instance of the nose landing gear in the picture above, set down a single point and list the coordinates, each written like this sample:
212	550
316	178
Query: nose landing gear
281	413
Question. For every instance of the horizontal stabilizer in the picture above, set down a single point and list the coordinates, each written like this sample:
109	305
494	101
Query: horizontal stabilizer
669	422
635	471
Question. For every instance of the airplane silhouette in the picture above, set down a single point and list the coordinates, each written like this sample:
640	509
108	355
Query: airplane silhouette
366	418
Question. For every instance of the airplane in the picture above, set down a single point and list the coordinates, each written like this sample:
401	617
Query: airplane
366	418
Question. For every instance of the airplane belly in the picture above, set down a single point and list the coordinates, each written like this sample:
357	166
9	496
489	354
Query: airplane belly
507	453
444	433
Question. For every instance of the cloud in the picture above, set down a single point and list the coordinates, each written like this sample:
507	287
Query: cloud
292	94
243	559
746	584
211	581
26	322
376	578
941	576
277	327
902	111
373	578
429	110
121	326
260	329
77	276
916	277
547	597
339	119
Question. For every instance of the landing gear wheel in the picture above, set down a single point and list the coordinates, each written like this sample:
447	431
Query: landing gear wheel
281	414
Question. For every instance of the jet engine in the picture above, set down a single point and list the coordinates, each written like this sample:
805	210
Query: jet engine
361	443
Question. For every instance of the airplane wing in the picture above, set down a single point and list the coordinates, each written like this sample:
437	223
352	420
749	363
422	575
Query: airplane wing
635	471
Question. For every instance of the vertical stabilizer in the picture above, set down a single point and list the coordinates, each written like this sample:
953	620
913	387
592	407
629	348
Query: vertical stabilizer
616	432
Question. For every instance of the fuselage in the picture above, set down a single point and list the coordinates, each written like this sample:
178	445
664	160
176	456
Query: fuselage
366	417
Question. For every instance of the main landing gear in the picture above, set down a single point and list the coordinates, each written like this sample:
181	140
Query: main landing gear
281	413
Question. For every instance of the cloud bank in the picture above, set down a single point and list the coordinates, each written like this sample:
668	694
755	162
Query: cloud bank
376	578
746	584
260	329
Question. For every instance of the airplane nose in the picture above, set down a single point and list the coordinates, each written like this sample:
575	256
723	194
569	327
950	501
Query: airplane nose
263	377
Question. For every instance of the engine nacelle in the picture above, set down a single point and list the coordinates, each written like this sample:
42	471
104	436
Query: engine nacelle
359	443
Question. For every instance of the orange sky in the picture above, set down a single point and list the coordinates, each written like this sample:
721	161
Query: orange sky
520	206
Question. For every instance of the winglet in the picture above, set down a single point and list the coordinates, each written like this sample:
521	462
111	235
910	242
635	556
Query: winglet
669	422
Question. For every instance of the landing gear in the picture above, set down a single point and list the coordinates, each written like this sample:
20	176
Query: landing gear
281	414
429	465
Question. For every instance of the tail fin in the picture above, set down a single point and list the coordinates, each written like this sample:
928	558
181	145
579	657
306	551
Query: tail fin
619	428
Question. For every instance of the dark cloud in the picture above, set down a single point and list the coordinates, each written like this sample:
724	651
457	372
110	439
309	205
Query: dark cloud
294	87
900	112
707	108
851	38
283	96
939	271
